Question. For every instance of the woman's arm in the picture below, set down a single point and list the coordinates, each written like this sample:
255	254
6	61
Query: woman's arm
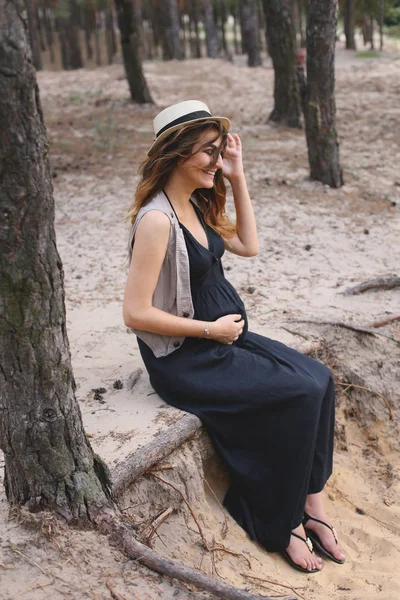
151	241
245	241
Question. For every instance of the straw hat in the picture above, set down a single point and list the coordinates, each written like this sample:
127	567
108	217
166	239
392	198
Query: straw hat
175	116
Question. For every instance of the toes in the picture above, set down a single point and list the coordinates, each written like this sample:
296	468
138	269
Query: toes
304	563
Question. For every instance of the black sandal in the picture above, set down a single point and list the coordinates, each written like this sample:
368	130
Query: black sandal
291	561
316	540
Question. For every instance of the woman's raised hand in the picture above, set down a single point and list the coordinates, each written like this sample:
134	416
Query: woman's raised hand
232	166
227	329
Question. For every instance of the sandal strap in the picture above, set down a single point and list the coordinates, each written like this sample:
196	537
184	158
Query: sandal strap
306	540
308	517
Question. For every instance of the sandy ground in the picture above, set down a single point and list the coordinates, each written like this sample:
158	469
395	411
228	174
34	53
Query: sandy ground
315	242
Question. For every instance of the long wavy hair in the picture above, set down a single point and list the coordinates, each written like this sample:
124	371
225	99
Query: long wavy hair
157	167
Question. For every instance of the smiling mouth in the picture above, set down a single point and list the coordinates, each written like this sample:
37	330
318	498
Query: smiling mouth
211	173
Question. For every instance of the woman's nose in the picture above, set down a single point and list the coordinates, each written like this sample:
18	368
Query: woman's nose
219	162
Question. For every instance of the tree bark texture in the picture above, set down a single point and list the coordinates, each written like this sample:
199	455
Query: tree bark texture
249	19
48	460
320	109
210	28
349	24
282	49
131	52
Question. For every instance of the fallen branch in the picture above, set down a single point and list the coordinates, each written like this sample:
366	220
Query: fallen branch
125	473
358	328
361	387
382	283
125	540
384	321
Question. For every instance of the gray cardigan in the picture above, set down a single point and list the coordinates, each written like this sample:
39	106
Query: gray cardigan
172	293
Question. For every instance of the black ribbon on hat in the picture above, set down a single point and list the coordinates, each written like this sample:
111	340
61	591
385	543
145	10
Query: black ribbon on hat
198	114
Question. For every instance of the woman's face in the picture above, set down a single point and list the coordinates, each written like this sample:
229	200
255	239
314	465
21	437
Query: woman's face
200	168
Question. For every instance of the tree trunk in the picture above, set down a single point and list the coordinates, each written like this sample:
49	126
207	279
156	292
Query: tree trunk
72	34
109	27
235	11
371	21
89	24
48	459
348	17
174	20
381	17
302	29
222	17
48	28
33	35
195	20
211	29
320	110
184	35
97	29
62	26
169	29
250	32
282	49
39	24
130	51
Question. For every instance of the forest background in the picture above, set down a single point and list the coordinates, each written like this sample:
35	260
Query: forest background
321	236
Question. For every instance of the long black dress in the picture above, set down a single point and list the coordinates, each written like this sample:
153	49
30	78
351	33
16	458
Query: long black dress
268	409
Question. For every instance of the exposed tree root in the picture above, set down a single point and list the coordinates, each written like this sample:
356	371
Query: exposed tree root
263	580
358	328
125	540
209	548
382	283
125	473
361	387
385	321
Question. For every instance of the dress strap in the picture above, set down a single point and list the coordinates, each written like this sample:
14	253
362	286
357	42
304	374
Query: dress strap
172	206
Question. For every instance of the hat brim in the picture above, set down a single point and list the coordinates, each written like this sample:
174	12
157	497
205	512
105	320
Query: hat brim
223	120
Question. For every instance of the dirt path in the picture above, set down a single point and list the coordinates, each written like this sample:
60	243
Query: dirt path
315	242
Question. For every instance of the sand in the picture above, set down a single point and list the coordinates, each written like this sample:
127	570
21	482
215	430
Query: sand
315	242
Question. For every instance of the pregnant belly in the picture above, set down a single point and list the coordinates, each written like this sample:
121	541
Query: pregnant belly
217	301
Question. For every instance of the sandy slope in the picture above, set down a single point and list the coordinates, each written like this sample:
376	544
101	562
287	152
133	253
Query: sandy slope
315	242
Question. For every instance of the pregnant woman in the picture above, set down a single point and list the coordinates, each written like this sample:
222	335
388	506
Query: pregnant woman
268	409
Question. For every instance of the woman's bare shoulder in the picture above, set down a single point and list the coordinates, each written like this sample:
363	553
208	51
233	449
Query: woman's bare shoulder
154	221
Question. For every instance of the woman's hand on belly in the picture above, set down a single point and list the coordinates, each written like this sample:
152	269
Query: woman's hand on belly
227	329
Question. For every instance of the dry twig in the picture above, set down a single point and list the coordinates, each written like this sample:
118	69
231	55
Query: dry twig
115	595
151	529
210	549
272	582
225	525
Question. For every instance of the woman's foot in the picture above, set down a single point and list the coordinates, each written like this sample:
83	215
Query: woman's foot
325	533
299	552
